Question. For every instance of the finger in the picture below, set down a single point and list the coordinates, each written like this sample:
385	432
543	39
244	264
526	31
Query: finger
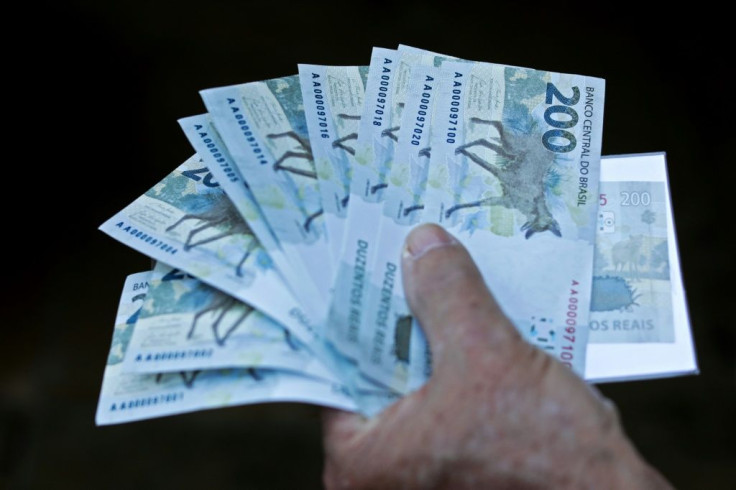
449	297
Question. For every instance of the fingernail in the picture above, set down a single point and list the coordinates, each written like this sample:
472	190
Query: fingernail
424	238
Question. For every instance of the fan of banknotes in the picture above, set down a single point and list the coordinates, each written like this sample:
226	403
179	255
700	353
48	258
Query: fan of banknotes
277	242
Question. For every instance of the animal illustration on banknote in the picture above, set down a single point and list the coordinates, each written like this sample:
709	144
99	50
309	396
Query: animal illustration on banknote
626	256
187	377
291	341
423	153
224	219
221	305
659	260
342	144
392	134
522	174
410	209
303	151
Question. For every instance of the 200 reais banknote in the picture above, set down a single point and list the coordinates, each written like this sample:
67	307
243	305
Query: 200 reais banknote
514	174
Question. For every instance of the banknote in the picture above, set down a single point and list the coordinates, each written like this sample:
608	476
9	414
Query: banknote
184	325
188	222
387	326
653	333
264	128
632	291
208	145
514	174
333	97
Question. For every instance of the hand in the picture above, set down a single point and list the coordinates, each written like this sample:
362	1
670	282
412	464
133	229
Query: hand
496	413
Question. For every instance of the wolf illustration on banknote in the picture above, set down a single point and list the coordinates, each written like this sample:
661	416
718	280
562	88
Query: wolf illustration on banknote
303	151
342	143
626	255
226	221
525	167
222	305
188	377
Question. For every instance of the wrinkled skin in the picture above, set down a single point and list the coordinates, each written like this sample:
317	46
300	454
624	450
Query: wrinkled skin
497	412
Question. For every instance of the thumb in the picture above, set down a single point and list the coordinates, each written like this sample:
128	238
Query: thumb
449	297
340	432
339	425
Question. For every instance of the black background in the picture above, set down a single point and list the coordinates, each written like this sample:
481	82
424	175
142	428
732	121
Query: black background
92	94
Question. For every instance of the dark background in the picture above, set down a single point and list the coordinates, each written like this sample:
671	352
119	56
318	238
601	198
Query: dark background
92	94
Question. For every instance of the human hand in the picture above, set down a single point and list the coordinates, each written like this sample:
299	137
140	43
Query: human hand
496	413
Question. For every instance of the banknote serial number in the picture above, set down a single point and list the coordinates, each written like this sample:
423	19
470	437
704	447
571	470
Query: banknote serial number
219	157
146	238
383	85
319	100
424	106
146	401
247	133
567	348
175	355
454	109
